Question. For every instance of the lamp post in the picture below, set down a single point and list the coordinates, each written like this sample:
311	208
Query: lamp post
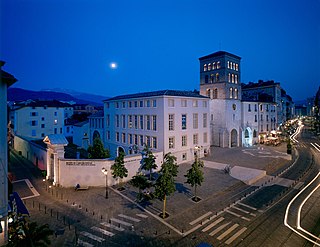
197	148
105	172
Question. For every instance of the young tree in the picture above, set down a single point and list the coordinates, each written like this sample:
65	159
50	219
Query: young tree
97	151
118	168
141	182
165	184
195	175
148	161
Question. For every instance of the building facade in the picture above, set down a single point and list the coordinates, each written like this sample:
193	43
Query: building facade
220	81
166	121
6	80
37	119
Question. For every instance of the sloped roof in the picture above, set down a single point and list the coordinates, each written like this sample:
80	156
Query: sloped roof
56	139
192	94
219	54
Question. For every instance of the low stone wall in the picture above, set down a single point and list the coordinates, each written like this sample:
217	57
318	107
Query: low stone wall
87	172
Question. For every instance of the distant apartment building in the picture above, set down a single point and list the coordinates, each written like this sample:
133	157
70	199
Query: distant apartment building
285	106
6	80
37	119
167	120
84	108
96	126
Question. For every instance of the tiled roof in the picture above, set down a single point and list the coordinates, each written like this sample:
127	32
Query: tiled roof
193	94
219	54
56	139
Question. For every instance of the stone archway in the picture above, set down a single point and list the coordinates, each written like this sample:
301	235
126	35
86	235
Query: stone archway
120	150
95	135
248	137
234	138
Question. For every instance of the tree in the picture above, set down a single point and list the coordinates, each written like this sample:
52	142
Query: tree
195	176
97	151
148	161
118	168
22	233
141	182
165	184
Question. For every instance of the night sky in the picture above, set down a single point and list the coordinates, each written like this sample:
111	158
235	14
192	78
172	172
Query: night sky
156	44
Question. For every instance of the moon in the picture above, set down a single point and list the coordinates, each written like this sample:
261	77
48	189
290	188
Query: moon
113	65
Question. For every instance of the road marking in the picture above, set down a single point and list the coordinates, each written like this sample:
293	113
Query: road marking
103	231
245	205
142	216
240	209
223	235
106	224
94	237
233	213
200	218
235	236
219	229
121	222
213	224
30	186
83	243
129	218
315	147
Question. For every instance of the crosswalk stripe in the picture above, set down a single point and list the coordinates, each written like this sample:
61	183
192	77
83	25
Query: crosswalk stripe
245	205
129	218
200	218
106	224
142	216
223	235
213	224
236	235
233	213
94	237
219	229
240	209
121	222
103	231
85	244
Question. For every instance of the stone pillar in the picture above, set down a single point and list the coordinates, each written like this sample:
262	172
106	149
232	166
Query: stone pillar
49	175
55	169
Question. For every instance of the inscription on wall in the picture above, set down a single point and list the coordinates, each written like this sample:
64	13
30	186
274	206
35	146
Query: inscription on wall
80	163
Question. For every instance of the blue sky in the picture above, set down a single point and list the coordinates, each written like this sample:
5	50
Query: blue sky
156	44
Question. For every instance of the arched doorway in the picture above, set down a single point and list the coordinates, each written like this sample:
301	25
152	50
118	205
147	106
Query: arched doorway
234	138
120	150
96	134
247	140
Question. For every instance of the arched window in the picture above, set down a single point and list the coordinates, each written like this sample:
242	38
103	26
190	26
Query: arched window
235	93
234	66
229	77
218	65
205	67
214	65
215	93
246	133
206	79
237	67
232	78
231	92
211	78
217	77
228	65
209	66
209	93
236	78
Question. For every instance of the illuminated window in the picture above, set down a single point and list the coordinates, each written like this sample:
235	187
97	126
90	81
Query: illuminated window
235	93
171	142
232	78
209	66
211	78
217	77
234	66
229	77
218	65
237	67
231	93
205	67
236	78
214	65
228	64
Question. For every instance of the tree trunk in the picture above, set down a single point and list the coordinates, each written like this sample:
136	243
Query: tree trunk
195	192
164	207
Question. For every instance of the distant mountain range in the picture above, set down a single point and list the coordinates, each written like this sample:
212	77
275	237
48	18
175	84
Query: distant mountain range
19	94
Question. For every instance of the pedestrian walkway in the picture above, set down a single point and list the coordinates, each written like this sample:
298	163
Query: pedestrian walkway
109	229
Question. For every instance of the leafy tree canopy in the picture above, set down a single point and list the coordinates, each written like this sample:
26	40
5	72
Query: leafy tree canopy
97	151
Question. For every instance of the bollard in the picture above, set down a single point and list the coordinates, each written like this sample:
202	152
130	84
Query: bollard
92	212
57	215
86	210
101	217
67	201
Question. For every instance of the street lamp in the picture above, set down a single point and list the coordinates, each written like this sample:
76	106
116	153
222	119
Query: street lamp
105	172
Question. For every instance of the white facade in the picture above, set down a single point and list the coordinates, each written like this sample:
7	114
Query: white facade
37	120
81	134
166	121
